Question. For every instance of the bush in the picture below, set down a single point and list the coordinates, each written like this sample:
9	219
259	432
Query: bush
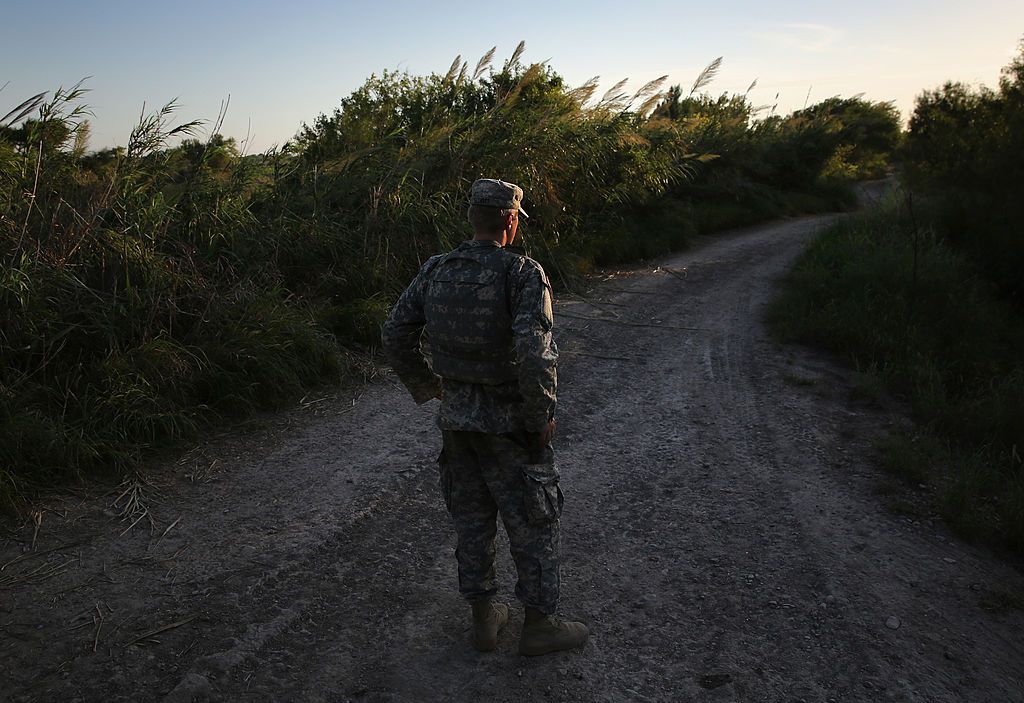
919	314
963	149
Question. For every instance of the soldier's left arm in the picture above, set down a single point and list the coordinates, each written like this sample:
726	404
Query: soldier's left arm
400	337
532	323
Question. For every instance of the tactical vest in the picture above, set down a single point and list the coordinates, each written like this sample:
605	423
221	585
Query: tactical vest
469	323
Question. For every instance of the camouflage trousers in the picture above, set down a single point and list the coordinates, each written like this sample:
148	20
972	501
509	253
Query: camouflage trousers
483	475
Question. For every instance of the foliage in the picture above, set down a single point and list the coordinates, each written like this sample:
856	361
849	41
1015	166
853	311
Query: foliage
396	159
127	319
963	150
927	297
905	306
151	290
837	139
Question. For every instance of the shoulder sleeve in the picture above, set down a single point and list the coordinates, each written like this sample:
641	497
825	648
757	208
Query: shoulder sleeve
401	333
532	323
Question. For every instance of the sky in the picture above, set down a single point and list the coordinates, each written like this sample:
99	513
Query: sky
284	63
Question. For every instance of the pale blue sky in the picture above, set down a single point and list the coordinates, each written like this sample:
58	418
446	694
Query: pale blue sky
285	63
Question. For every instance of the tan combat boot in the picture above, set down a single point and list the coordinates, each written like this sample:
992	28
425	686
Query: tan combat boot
488	618
543	634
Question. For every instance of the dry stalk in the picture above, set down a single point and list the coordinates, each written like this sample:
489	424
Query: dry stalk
187	649
202	475
131	503
98	621
38	554
37	519
137	521
37	575
161	629
31	204
169	528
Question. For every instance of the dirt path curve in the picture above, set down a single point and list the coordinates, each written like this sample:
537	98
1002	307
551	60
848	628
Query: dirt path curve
721	535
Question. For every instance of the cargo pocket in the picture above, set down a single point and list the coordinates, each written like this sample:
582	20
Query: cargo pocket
445	479
542	497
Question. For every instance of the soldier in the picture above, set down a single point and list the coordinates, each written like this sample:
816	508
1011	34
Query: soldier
487	316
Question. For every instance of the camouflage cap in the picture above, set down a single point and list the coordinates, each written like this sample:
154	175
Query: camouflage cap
494	193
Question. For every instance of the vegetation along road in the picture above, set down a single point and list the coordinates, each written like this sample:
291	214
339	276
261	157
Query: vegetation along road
722	536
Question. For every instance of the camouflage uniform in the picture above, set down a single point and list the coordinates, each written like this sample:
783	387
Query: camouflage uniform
490	414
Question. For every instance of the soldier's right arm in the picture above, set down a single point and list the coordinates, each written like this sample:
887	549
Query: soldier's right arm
400	337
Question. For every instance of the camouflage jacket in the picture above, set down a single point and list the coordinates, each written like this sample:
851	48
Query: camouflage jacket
526	404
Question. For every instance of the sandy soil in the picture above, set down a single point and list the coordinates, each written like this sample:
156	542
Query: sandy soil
723	535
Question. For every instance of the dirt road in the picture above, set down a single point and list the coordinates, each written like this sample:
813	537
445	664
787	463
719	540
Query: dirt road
722	535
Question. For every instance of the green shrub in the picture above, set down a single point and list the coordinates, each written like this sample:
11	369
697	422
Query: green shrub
913	310
963	150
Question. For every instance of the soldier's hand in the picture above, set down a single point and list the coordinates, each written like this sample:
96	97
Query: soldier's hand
545	436
537	442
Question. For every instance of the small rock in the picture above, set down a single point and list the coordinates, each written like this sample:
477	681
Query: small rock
893	623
